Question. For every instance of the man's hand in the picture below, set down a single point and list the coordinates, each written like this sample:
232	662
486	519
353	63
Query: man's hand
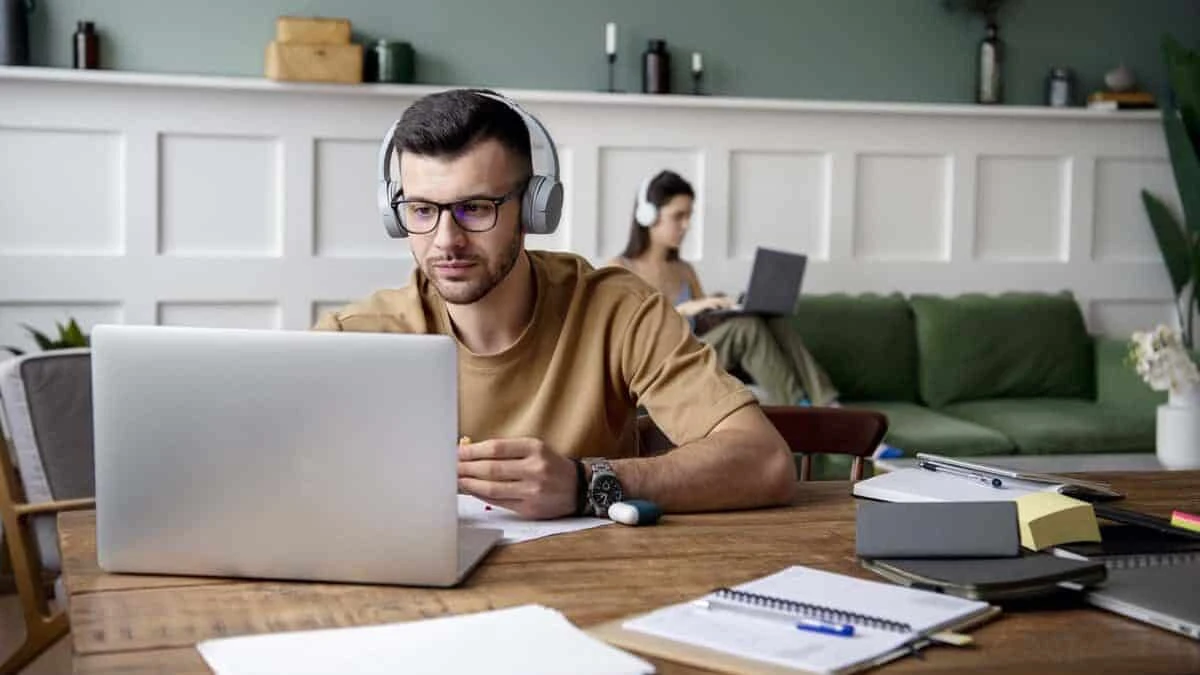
519	474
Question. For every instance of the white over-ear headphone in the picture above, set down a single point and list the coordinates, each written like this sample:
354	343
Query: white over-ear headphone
645	213
541	200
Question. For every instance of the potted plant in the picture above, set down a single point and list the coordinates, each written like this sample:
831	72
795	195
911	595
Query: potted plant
1163	362
1180	242
69	336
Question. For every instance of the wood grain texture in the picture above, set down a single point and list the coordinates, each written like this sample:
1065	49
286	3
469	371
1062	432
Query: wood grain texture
150	624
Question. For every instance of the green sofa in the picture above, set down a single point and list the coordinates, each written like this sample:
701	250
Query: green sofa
979	375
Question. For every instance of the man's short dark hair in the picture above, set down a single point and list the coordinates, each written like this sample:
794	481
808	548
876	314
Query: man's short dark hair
450	123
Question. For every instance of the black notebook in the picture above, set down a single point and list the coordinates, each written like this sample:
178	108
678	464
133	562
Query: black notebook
1123	546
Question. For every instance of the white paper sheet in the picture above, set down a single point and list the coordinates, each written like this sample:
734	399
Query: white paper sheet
525	640
473	512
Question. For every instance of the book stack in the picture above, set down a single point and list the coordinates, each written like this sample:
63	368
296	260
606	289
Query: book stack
313	50
1128	100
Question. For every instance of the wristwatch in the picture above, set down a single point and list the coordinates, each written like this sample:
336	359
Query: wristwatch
604	489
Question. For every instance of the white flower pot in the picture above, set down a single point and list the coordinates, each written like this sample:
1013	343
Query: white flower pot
1178	433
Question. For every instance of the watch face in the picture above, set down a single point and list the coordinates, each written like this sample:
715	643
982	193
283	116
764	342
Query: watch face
606	491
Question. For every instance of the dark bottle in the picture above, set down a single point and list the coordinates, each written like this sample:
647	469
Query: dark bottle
989	87
14	32
87	46
656	68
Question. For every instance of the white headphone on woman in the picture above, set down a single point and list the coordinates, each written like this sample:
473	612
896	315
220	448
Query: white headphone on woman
645	213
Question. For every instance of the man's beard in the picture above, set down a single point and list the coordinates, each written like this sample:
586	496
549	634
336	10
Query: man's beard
457	293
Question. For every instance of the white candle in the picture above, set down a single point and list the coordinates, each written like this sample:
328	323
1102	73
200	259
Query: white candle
610	38
697	65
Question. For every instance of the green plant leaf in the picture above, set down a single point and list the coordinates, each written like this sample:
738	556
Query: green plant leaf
1187	168
39	337
1183	73
73	336
1172	242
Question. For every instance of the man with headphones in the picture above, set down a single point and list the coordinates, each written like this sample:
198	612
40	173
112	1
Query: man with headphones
554	355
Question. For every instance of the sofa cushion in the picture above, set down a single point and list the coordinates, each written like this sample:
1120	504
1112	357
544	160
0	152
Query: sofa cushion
1041	426
1014	345
866	343
914	428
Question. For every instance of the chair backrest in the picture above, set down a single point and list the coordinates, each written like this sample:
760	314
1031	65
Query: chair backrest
46	412
807	431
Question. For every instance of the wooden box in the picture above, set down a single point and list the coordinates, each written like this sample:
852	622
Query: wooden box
315	63
312	31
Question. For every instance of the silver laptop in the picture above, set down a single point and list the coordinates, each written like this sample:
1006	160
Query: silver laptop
1167	596
279	454
775	282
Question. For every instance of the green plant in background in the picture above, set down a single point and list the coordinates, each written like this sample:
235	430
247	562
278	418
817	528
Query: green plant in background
1180	243
69	336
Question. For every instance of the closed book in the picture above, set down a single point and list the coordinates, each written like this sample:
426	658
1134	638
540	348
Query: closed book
936	530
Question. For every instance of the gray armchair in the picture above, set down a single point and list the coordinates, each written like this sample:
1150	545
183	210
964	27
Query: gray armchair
46	467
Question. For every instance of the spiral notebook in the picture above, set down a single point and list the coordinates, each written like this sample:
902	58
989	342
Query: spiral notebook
889	622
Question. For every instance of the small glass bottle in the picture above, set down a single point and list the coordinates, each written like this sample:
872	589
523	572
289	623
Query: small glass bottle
990	85
656	68
87	46
1060	88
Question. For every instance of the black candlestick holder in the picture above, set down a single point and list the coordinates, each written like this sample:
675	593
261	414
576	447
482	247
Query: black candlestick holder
697	78
612	73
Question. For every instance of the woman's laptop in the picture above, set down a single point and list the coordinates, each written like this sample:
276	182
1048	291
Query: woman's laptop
774	284
279	454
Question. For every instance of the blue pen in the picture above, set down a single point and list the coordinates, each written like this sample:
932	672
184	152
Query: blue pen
840	629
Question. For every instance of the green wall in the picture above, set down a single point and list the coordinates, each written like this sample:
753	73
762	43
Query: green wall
880	50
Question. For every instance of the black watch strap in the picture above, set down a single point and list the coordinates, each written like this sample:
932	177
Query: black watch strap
581	488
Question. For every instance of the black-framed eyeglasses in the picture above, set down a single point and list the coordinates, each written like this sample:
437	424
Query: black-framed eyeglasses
478	214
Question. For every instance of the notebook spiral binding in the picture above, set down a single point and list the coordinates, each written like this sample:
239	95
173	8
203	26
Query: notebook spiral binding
809	611
1125	562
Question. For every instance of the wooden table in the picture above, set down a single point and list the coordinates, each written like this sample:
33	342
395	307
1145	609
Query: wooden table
145	624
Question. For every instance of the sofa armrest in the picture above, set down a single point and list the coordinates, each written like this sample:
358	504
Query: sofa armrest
1117	384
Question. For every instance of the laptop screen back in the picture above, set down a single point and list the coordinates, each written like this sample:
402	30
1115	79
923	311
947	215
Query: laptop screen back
775	282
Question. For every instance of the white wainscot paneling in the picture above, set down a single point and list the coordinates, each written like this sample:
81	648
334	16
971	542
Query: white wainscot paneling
220	195
902	207
1120	318
348	222
779	200
1022	208
60	192
219	314
622	171
1122	228
44	315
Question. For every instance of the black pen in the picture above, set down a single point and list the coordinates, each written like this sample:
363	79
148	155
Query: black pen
990	481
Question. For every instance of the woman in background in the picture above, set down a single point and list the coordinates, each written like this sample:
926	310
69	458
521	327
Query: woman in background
769	351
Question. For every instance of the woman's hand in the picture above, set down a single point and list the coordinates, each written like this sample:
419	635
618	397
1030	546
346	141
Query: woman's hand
693	307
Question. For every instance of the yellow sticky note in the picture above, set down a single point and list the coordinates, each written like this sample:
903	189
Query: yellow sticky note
1049	519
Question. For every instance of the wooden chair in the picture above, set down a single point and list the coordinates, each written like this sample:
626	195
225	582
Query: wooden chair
46	467
807	431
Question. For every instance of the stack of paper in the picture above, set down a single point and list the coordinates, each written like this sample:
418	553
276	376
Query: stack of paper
526	640
1048	519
